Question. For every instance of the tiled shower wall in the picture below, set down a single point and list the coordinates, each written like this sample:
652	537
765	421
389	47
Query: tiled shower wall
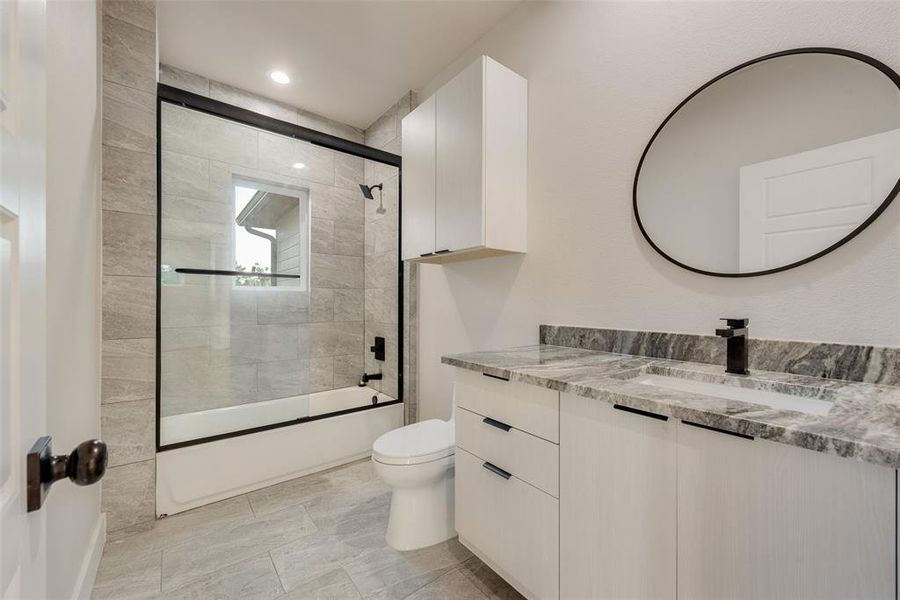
382	256
129	260
222	344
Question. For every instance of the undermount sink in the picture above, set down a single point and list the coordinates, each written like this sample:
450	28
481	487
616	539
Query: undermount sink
778	400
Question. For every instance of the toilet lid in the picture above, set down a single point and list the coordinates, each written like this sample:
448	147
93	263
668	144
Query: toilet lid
416	443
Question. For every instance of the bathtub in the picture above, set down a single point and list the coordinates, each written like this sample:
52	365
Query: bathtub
191	476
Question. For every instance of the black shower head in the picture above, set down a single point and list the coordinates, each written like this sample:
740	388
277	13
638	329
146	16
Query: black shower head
367	190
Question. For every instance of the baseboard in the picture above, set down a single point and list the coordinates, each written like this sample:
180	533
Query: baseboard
84	585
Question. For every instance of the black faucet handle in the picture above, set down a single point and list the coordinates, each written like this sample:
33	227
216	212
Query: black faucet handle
737	323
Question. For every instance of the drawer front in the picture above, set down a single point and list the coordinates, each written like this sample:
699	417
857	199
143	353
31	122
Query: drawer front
529	458
510	522
526	407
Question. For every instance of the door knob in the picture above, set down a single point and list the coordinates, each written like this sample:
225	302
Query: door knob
84	466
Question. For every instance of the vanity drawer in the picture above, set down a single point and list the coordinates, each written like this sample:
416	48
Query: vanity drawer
512	524
526	407
529	458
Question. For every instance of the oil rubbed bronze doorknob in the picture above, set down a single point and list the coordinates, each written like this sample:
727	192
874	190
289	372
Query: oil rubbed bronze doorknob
84	466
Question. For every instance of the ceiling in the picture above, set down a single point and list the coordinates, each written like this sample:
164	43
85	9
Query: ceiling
348	60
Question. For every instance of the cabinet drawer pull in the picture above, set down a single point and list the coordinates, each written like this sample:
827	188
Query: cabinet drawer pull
444	251
638	411
497	470
426	254
496	377
496	423
717	430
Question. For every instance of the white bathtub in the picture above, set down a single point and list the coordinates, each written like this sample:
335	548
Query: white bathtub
195	475
175	429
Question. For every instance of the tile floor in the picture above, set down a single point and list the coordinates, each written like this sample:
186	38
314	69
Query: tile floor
320	536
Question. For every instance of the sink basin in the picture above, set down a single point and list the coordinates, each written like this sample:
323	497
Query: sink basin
778	400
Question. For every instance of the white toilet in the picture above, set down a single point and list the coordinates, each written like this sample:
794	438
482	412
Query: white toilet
416	461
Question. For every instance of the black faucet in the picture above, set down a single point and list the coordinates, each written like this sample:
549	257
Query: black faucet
366	378
738	356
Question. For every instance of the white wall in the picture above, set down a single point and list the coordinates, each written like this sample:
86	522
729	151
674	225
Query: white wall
73	278
601	78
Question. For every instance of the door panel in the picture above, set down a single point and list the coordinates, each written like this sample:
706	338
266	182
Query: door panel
418	180
459	212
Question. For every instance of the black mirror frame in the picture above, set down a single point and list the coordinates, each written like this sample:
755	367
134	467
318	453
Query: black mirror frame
872	62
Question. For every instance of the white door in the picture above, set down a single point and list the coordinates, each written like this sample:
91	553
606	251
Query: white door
418	180
459	190
795	206
22	291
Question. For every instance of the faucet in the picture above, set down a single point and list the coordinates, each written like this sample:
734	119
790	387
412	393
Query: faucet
736	334
367	377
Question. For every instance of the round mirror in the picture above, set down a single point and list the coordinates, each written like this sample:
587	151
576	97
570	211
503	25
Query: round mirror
773	163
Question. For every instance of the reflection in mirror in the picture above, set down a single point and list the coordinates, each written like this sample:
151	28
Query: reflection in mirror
772	164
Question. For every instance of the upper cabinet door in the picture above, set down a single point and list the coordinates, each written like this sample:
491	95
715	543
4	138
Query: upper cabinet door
418	180
459	166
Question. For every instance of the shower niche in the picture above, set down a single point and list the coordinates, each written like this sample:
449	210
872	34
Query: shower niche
277	272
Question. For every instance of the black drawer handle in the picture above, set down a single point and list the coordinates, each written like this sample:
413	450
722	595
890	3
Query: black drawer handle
638	411
426	254
497	470
496	423
717	430
445	251
496	377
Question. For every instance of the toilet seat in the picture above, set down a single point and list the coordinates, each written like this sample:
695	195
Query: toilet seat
415	444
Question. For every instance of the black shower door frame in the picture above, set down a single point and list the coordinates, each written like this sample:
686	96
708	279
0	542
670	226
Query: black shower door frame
179	97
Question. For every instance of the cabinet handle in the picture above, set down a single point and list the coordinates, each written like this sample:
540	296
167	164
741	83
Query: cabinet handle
497	470
717	430
496	423
426	254
643	413
444	251
496	377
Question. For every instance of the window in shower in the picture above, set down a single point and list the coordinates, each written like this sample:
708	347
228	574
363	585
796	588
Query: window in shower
276	275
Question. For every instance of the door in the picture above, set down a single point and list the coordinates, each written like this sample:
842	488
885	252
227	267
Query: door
22	291
617	502
459	191
794	206
418	180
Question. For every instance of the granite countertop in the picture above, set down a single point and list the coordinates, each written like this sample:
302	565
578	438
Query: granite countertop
863	423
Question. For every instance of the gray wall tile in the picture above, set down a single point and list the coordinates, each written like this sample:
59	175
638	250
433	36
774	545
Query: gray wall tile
129	429
129	54
129	494
129	244
332	271
129	118
129	181
129	307
140	13
185	175
349	304
184	80
258	104
129	370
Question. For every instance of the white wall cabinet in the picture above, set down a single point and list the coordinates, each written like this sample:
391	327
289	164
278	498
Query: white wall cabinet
617	502
465	167
757	519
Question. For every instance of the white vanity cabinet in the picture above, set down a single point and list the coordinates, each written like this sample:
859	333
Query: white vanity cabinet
507	474
465	167
758	519
617	501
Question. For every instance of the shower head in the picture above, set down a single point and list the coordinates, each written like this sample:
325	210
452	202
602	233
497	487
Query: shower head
367	190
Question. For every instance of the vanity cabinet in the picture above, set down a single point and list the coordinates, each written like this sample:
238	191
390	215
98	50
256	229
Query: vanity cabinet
758	519
617	502
465	167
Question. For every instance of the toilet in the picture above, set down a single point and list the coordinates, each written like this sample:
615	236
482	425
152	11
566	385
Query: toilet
416	461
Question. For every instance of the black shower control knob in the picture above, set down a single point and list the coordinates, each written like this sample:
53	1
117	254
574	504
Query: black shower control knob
87	462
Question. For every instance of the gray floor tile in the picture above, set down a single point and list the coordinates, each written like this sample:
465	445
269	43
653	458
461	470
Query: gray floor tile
453	585
491	585
252	579
126	575
334	585
232	544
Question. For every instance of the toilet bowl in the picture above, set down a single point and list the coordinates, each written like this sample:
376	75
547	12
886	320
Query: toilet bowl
416	462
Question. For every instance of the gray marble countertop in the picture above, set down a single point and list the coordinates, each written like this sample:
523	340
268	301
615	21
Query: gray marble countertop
863	423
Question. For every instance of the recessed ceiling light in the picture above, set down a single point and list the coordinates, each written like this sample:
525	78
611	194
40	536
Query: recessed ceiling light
299	166
280	77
